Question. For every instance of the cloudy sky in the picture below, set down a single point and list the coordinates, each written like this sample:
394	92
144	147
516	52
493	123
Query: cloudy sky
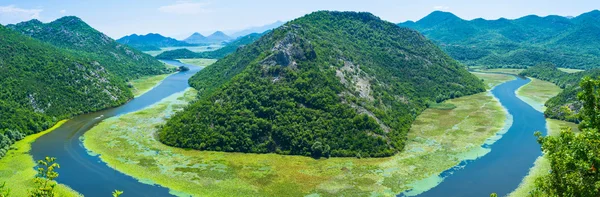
177	18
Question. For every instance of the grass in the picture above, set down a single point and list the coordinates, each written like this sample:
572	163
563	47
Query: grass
570	70
145	84
438	140
537	92
198	61
493	79
194	49
512	71
17	167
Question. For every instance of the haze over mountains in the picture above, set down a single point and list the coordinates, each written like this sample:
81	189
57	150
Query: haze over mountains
526	41
302	90
151	42
216	54
259	29
216	38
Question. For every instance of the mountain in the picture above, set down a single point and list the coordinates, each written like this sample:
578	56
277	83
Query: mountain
565	105
216	54
73	34
526	41
260	29
302	89
216	38
42	84
196	38
151	42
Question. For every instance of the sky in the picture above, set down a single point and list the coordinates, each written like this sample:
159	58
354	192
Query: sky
180	18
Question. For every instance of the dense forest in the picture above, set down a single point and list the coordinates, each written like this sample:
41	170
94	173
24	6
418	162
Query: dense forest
72	34
216	54
42	84
151	42
327	84
564	106
527	41
574	157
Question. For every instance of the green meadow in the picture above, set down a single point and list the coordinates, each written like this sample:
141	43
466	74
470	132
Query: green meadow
17	167
146	83
198	61
493	79
537	92
512	71
438	140
570	70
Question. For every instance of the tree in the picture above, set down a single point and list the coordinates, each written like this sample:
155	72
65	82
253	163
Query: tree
117	193
4	192
45	178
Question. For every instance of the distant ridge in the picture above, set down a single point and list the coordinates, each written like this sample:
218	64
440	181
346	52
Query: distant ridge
215	38
571	42
151	42
259	29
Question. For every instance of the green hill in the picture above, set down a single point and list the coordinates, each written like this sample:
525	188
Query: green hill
329	83
73	34
151	42
557	106
526	41
42	84
216	54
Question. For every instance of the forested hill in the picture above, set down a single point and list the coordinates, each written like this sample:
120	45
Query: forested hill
329	83
565	105
41	84
151	42
216	54
527	41
75	35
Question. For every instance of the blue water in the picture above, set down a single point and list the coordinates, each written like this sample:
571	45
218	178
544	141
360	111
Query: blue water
510	159
88	174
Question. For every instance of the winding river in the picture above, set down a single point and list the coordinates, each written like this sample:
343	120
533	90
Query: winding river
510	159
499	171
87	174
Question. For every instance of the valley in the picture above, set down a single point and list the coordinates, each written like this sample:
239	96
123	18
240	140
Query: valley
329	103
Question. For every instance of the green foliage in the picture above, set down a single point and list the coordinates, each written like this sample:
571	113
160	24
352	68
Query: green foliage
151	42
117	193
527	41
4	192
73	34
42	84
565	105
574	157
45	178
216	54
300	90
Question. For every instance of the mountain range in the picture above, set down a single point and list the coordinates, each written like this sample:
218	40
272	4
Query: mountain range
526	41
303	90
259	29
216	54
151	42
216	38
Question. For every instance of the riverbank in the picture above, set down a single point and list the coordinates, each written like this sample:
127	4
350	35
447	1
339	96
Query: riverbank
536	93
17	167
198	61
127	143
145	84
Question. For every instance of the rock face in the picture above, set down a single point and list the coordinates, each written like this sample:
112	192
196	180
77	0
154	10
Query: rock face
328	84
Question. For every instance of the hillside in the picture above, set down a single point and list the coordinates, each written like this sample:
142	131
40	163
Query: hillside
42	84
557	106
215	38
216	54
303	89
151	42
527	41
73	34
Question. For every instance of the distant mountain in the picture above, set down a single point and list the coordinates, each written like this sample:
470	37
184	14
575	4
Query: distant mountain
216	38
42	84
527	41
216	54
151	42
303	89
260	29
73	34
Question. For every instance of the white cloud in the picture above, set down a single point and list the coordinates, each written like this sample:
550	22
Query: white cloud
185	8
441	7
12	14
63	11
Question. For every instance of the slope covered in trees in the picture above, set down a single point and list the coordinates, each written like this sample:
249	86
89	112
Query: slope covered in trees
73	34
565	105
216	54
151	42
42	84
329	83
527	41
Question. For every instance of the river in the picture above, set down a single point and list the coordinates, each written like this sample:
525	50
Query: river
501	170
87	174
